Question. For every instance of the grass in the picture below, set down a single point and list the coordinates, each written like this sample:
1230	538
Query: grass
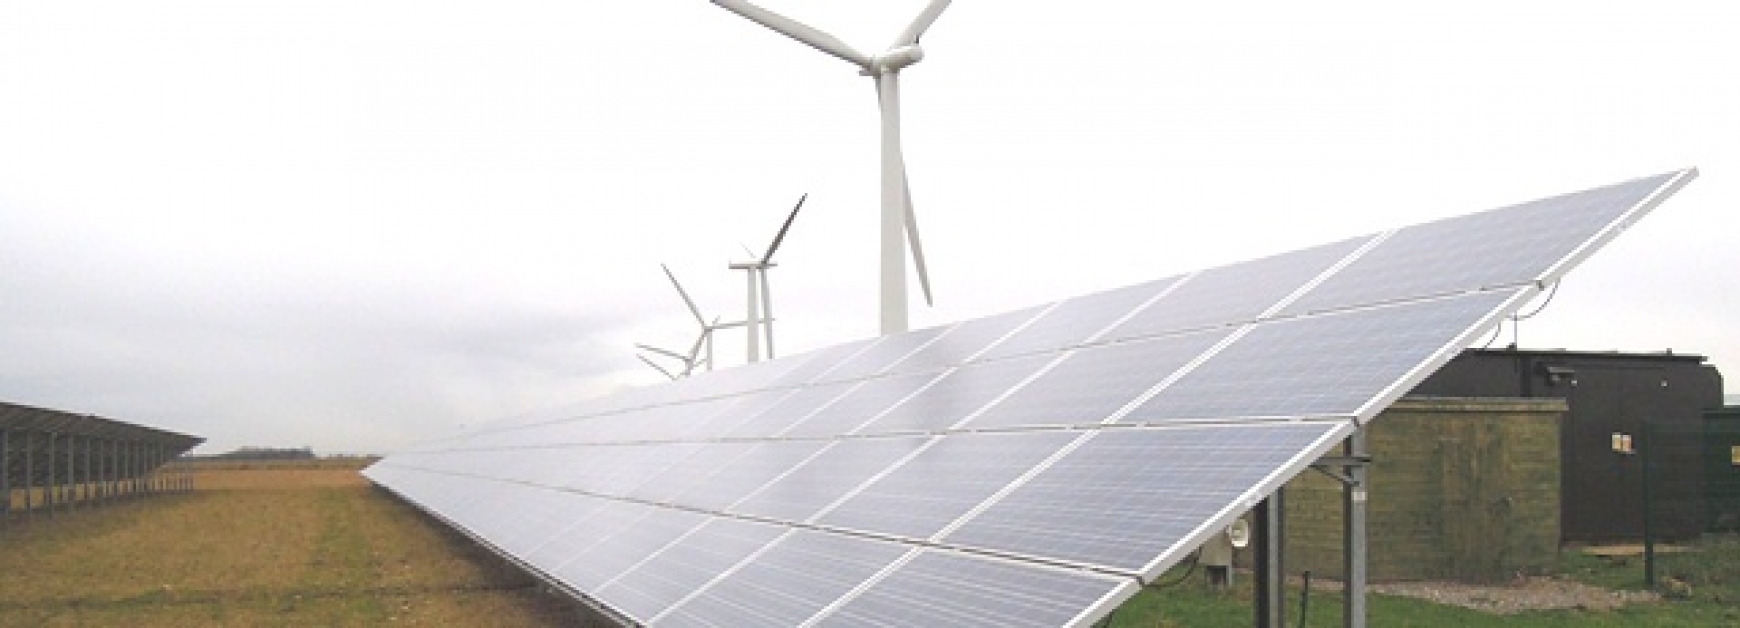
281	546
313	544
1710	596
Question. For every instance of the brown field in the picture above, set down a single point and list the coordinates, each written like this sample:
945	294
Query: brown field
283	545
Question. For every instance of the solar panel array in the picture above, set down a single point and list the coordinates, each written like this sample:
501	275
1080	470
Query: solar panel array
1028	469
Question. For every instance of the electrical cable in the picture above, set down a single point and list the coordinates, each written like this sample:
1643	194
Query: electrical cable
1550	294
1195	557
1518	318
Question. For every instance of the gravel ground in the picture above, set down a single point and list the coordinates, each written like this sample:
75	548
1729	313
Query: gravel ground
1526	594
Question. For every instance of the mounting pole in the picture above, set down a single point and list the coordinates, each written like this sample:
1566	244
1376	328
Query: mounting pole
1271	592
5	474
1353	531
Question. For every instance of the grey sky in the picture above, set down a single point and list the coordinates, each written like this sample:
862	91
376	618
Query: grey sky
350	225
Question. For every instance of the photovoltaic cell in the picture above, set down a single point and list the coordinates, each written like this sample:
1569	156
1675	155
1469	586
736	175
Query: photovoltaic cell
760	464
622	544
789	410
680	568
1078	320
1029	468
1124	496
795	578
1235	294
802	493
884	354
1329	365
947	589
957	395
861	404
1496	248
941	483
1092	383
965	341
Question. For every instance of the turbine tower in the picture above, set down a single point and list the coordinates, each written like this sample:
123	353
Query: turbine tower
897	214
758	275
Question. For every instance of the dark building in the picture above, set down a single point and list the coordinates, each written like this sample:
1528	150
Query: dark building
1611	397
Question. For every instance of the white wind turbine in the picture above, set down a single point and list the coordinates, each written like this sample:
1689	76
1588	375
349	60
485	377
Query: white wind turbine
692	359
897	213
758	275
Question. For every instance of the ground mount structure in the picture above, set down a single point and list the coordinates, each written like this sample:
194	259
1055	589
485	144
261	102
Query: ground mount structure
52	460
1032	468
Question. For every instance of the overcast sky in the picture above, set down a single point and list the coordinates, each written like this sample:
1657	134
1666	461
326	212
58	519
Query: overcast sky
351	225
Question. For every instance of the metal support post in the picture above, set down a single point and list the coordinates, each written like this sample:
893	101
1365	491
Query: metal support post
29	474
5	475
112	470
124	473
1353	522
1269	577
89	486
50	486
70	479
133	451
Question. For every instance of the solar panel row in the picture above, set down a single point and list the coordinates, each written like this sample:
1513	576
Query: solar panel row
1030	468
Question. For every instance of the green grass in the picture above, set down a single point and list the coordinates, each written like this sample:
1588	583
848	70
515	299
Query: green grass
1711	571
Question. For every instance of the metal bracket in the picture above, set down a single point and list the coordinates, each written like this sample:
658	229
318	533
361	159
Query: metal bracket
1326	464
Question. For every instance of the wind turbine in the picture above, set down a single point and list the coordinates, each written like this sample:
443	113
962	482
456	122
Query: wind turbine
707	329
758	274
897	213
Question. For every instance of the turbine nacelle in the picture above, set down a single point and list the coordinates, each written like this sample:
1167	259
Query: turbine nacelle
895	59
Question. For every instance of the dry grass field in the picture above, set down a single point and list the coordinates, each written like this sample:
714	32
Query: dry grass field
281	545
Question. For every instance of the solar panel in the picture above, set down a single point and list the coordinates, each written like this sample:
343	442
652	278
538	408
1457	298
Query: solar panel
921	496
807	488
1235	294
957	395
1123	497
927	591
678	569
1078	320
1496	248
1089	385
786	584
1030	468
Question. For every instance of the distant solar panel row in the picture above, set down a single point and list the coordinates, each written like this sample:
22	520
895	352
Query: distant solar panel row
1030	468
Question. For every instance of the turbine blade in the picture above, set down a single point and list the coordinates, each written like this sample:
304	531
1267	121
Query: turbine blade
796	30
695	349
912	239
783	228
664	352
656	366
921	24
686	300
